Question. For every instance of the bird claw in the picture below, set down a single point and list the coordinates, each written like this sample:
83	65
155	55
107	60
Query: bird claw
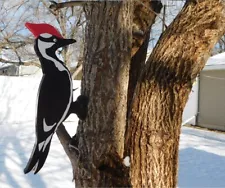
83	102
80	107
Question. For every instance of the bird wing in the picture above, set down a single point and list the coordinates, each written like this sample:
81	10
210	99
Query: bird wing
54	99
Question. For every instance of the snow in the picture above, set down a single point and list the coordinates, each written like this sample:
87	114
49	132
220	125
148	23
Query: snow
202	159
202	153
18	100
216	62
30	70
218	59
126	161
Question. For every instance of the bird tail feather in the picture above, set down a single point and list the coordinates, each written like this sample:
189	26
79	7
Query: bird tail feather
38	157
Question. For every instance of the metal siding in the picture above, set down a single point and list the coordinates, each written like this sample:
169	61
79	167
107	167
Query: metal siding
212	100
191	108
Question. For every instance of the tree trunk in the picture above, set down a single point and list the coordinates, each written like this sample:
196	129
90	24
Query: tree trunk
105	82
145	12
163	89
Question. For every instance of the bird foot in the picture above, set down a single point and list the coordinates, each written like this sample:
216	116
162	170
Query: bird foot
80	107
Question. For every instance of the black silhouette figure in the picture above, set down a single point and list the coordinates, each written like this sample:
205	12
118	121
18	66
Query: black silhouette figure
55	96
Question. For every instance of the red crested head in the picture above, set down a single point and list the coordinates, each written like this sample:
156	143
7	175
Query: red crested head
38	29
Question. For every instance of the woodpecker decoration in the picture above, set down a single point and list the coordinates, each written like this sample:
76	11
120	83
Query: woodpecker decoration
55	95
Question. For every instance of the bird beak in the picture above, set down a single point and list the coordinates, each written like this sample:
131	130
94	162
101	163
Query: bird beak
65	42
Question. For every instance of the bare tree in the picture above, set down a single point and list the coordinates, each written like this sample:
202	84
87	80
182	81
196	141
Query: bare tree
148	129
12	39
16	42
135	107
163	89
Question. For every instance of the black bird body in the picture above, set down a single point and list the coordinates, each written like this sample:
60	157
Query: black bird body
55	97
55	93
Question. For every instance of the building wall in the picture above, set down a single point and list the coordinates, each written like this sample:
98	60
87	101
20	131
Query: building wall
212	99
191	108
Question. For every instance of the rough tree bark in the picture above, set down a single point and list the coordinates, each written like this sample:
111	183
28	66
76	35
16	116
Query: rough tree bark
106	74
105	82
161	91
163	88
145	12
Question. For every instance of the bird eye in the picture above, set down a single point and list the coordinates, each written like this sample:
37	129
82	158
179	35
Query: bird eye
54	40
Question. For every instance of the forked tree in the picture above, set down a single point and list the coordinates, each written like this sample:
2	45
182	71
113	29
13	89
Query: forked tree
135	108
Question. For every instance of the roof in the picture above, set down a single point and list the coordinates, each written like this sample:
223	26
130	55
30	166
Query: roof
216	62
6	67
3	65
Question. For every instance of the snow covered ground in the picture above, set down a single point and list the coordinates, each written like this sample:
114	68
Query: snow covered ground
202	153
18	100
201	159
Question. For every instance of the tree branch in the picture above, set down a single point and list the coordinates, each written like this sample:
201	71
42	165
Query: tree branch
77	71
64	138
144	18
25	63
55	6
163	88
30	63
